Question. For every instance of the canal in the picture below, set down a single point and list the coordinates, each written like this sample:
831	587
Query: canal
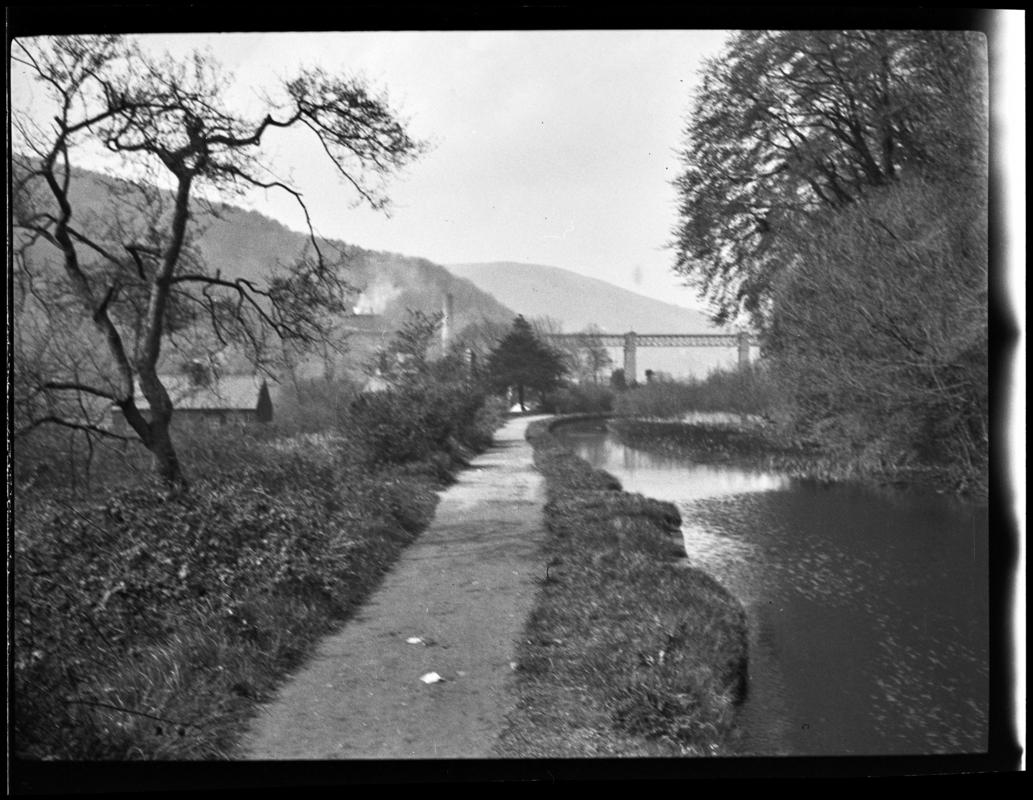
868	608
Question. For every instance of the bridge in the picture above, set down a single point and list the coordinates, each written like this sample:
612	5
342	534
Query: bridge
631	341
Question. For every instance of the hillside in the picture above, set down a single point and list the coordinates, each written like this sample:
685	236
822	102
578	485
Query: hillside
243	243
577	301
251	244
388	284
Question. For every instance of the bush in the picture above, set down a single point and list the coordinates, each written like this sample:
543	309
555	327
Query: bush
102	590
313	405
742	390
488	419
410	420
579	399
879	338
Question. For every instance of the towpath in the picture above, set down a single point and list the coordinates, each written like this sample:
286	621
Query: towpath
464	588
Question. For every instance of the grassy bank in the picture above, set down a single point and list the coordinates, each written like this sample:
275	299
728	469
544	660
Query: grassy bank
718	443
628	651
786	425
765	448
150	626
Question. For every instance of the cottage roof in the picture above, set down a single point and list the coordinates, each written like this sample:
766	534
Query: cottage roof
226	392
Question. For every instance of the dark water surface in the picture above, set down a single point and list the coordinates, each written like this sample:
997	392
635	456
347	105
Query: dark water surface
868	609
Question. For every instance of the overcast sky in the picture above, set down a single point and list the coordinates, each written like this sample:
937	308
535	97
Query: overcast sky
549	147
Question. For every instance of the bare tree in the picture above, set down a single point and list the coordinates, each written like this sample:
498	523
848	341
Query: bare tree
880	337
474	343
568	349
406	358
131	271
593	357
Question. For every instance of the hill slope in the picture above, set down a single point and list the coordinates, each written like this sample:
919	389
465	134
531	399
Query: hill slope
577	301
252	244
246	244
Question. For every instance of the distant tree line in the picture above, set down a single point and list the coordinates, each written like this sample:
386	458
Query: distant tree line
834	195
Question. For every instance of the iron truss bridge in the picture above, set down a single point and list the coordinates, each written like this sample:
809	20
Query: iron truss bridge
654	339
631	341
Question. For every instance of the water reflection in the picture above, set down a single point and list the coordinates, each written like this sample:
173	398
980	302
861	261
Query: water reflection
691	481
868	611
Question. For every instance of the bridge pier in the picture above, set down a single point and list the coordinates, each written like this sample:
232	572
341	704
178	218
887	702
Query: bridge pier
744	349
631	341
630	344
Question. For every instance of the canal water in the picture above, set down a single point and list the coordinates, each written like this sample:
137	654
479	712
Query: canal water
868	609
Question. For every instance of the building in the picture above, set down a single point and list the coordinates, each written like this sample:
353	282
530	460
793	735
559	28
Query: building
201	398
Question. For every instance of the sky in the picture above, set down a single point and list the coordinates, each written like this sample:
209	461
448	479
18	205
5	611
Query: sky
547	147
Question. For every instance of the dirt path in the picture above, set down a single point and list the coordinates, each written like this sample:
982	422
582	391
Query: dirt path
464	588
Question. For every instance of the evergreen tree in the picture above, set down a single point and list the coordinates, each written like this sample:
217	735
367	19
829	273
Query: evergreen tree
524	361
264	409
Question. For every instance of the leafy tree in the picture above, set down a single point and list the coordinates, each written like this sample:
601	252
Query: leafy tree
129	273
790	126
524	361
835	190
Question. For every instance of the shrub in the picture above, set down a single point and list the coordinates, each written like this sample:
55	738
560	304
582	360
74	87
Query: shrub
579	399
102	590
880	336
410	420
313	405
742	390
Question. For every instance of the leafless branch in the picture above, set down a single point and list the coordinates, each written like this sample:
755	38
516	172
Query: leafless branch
66	423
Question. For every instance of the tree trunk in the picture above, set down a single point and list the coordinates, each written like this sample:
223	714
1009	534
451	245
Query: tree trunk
520	395
154	434
166	462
